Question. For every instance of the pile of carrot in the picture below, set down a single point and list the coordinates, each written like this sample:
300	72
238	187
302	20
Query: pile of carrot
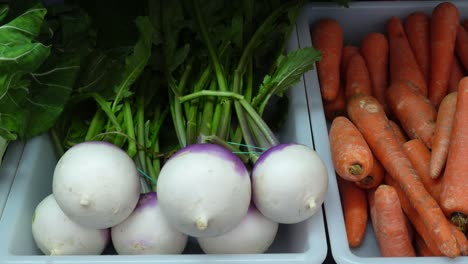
397	103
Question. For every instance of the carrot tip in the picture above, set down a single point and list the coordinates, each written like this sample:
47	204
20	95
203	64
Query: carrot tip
460	220
355	169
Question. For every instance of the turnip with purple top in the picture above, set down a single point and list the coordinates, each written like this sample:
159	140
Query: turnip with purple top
254	235
55	234
96	184
146	231
204	190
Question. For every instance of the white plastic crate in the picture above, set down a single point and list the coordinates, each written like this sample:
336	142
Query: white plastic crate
8	170
358	20
299	243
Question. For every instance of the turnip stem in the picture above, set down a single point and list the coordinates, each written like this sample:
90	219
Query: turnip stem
96	125
110	114
193	110
207	115
128	118
140	128
218	141
222	128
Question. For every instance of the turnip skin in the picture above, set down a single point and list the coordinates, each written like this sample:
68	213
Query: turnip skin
55	234
204	190
289	183
146	231
96	184
254	235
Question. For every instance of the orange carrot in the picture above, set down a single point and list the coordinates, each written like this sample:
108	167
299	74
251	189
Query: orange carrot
461	46
420	158
390	230
443	130
352	157
346	54
357	77
369	117
444	24
327	36
403	64
336	107
454	194
354	203
415	112
456	74
461	240
414	217
422	250
398	132
374	178
374	49
417	29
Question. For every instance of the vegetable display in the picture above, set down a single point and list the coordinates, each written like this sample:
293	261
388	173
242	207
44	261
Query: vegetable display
164	116
415	132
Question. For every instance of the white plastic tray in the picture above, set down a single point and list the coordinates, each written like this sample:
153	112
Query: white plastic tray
8	169
358	20
300	243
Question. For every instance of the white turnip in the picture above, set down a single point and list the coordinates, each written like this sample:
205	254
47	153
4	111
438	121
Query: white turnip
204	190
146	231
55	234
96	184
254	235
289	183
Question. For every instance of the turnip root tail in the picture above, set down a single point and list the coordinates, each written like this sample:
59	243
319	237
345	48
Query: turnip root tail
201	223
311	204
84	200
55	252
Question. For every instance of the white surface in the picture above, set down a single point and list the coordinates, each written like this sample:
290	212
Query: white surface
357	21
8	169
304	242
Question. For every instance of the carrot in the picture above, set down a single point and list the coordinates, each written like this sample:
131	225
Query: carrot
398	132
354	202
327	36
456	74
420	158
414	111
443	129
369	117
444	24
414	217
417	29
461	240
374	49
336	107
422	250
454	193
352	157
357	76
346	54
374	178
461	46
390	230
403	64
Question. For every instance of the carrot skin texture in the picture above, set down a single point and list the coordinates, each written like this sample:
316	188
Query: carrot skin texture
352	157
454	194
327	36
346	54
415	112
374	49
354	202
417	28
337	107
420	157
357	77
390	230
369	117
414	217
402	61
422	250
461	46
402	138
443	130
375	177
457	73
445	20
